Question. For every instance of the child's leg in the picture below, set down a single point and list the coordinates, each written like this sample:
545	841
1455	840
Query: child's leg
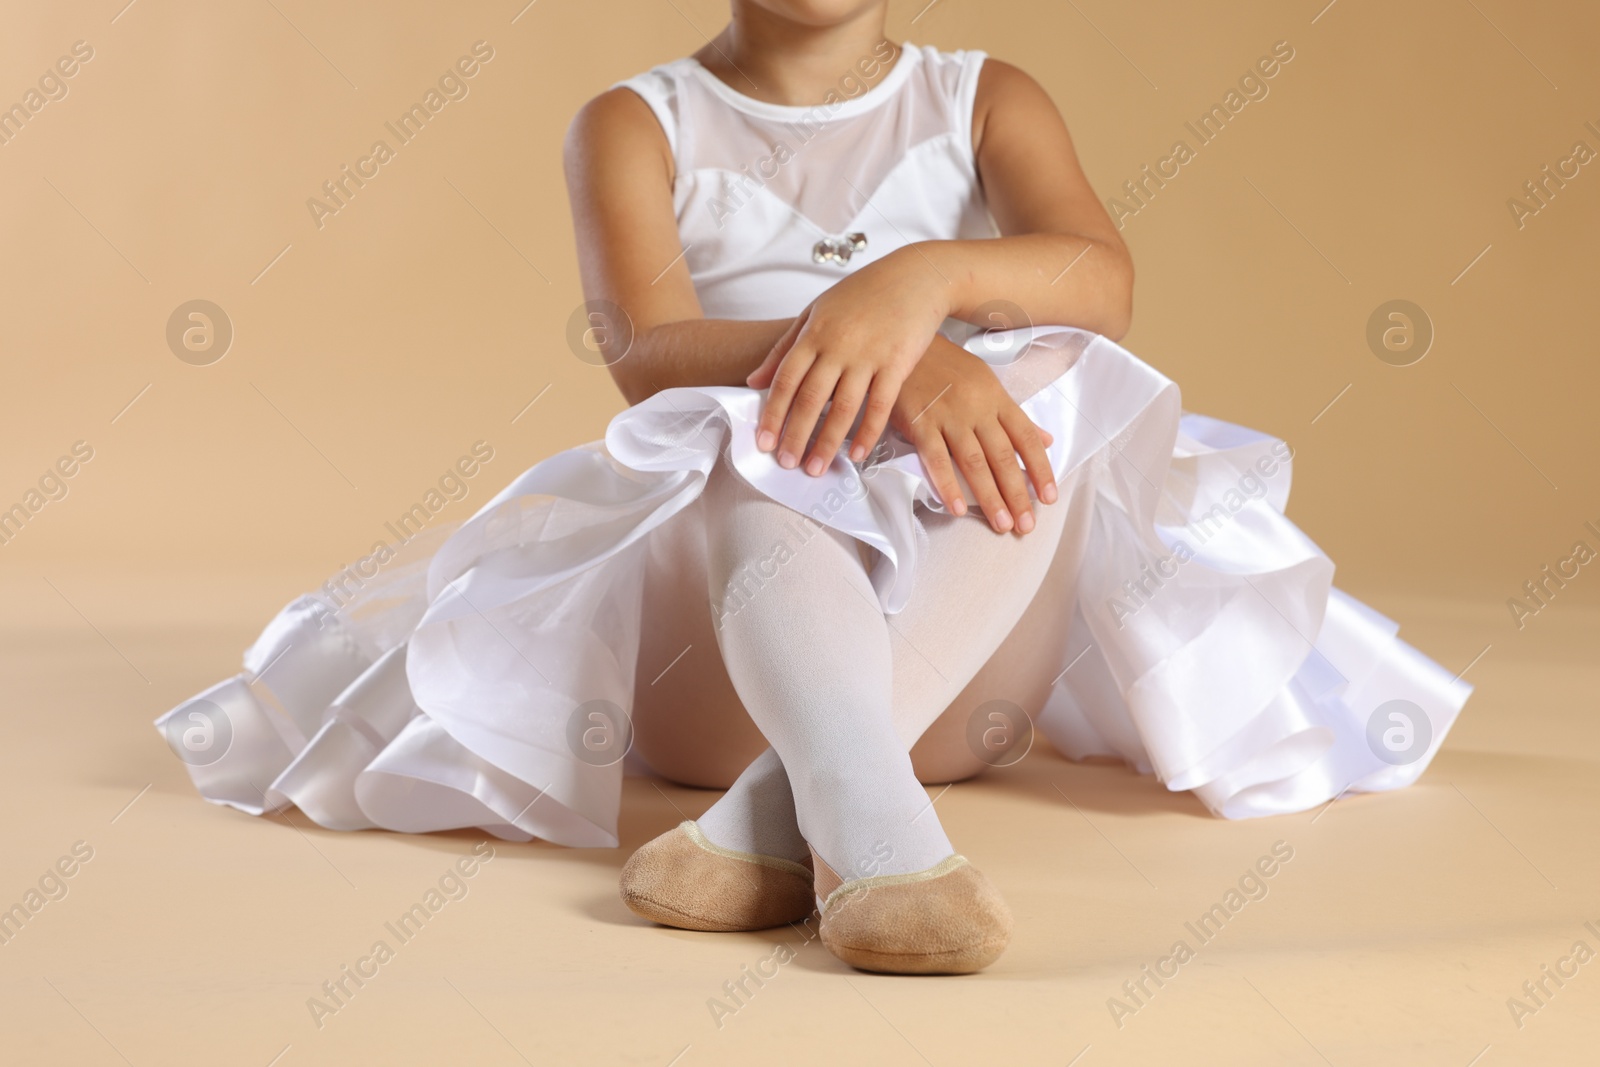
688	723
1031	657
690	727
809	652
972	588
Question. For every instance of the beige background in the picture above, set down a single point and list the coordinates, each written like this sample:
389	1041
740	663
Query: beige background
426	316
429	311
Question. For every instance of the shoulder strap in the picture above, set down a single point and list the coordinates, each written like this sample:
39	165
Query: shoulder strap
659	89
967	92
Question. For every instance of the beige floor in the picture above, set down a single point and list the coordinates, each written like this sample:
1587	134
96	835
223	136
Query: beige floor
196	935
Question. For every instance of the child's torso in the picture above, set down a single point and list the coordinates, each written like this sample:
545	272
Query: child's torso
776	203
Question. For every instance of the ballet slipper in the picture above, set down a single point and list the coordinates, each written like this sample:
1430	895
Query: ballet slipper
947	919
682	879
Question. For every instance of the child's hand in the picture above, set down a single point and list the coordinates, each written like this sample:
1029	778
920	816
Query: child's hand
855	344
953	407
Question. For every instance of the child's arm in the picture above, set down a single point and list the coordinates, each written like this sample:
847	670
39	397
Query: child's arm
619	178
1059	259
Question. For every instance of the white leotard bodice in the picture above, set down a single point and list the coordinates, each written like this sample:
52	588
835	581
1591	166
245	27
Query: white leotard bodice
774	202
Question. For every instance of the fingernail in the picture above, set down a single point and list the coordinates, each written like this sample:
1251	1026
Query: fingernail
958	507
765	440
814	467
1049	493
857	453
1002	520
787	460
1025	524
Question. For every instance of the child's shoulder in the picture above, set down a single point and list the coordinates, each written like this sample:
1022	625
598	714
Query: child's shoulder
619	126
637	111
1001	81
1007	90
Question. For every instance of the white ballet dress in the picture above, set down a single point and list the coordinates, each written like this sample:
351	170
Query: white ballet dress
452	687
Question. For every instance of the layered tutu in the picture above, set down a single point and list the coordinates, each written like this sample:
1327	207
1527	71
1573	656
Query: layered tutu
455	686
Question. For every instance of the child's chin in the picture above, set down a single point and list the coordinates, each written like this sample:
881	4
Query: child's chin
816	12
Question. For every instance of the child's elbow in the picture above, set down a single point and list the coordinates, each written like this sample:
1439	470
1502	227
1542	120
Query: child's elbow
634	362
1120	320
1119	300
632	386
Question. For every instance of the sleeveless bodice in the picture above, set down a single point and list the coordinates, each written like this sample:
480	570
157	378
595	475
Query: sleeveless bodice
776	203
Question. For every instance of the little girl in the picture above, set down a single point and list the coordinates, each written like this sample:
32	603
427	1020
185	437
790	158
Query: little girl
886	474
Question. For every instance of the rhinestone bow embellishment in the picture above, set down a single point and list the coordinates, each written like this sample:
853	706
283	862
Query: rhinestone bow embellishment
839	249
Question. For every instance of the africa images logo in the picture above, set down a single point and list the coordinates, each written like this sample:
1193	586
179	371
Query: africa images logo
1252	87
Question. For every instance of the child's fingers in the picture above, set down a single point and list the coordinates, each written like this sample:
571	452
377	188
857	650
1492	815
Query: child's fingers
935	456
1030	443
809	393
970	457
761	377
847	398
785	381
880	405
1007	473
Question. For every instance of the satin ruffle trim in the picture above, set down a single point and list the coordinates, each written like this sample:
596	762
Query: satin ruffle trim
1209	645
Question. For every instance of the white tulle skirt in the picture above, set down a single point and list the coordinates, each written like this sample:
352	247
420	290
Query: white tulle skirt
453	687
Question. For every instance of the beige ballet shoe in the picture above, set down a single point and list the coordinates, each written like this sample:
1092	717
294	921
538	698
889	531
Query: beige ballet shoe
681	879
947	919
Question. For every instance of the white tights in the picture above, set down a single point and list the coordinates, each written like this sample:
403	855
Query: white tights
841	691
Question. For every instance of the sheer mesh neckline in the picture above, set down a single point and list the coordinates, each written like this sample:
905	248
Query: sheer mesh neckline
910	56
